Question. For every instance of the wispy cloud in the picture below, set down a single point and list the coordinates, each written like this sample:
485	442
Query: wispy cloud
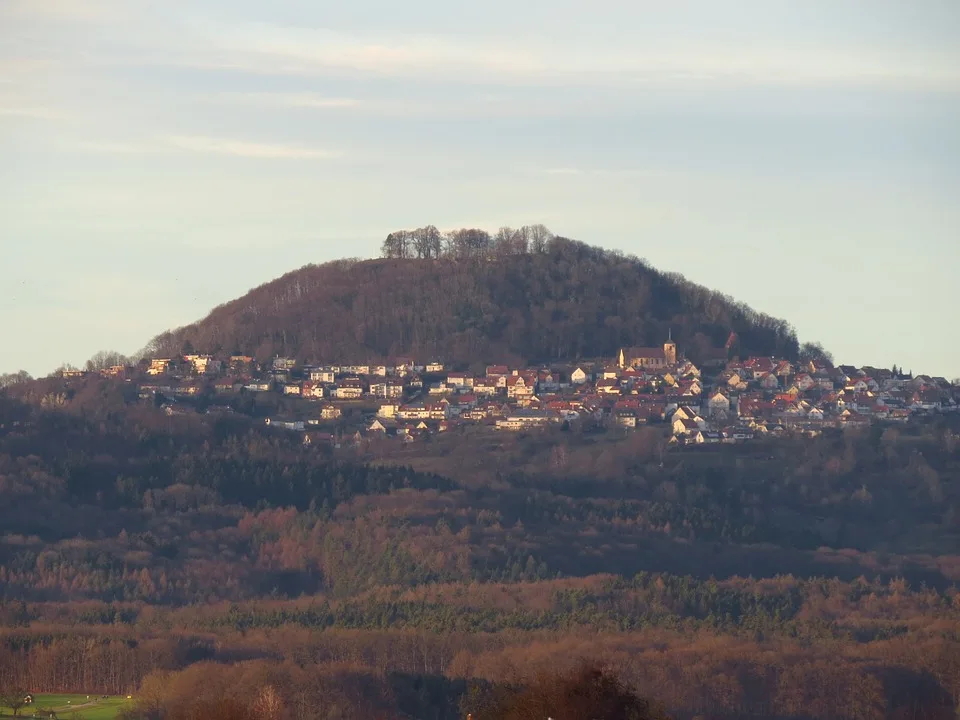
562	171
271	49
294	100
116	148
239	148
63	10
32	113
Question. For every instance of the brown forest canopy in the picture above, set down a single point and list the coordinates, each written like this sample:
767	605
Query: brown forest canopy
468	296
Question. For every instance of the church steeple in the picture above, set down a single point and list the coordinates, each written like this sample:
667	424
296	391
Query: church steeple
670	349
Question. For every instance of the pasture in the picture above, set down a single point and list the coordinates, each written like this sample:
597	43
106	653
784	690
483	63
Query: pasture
71	706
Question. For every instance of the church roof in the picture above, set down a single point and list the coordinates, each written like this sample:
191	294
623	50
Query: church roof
643	352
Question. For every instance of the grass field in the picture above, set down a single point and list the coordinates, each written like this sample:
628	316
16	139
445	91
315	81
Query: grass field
69	706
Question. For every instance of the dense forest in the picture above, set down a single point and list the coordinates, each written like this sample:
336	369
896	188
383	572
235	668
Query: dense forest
207	561
471	297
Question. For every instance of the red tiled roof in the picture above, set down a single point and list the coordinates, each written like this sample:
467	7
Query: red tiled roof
643	352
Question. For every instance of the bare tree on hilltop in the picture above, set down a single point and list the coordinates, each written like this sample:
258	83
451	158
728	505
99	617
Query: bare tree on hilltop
465	243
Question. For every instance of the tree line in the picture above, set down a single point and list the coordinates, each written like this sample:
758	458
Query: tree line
428	242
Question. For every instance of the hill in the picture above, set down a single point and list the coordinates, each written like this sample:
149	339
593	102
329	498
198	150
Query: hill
560	300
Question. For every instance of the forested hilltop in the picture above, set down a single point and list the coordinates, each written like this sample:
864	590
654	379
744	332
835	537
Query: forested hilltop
471	297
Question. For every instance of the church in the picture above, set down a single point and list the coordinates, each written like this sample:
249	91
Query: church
649	357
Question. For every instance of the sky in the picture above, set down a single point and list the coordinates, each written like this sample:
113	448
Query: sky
160	157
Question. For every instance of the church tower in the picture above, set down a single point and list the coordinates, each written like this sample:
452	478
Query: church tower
670	350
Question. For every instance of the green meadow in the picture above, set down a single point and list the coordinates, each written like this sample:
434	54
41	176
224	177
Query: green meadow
78	707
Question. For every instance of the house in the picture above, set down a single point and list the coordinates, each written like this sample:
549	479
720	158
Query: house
611	372
258	386
823	380
387	389
759	366
609	386
388	410
284	364
682	426
648	356
857	385
685	412
708	437
285	424
466	400
114	371
159	366
459	379
403	366
311	390
189	389
525	419
330	412
485	386
740	434
497	371
383	425
579	376
322	375
784	369
241	363
517	387
292	389
434	367
548	381
849	418
718	403
227	384
437	409
413	411
926	400
688	369
349	389
202	364
734	380
626	418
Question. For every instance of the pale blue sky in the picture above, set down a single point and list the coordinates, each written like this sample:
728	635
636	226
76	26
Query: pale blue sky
159	157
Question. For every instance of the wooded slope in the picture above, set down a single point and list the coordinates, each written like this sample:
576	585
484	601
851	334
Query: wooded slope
566	301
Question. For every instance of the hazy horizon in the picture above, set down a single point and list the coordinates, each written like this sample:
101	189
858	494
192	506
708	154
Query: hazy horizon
160	159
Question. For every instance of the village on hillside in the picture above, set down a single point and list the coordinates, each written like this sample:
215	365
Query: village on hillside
725	400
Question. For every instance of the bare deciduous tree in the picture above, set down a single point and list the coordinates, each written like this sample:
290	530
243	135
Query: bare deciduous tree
10	379
13	697
106	359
